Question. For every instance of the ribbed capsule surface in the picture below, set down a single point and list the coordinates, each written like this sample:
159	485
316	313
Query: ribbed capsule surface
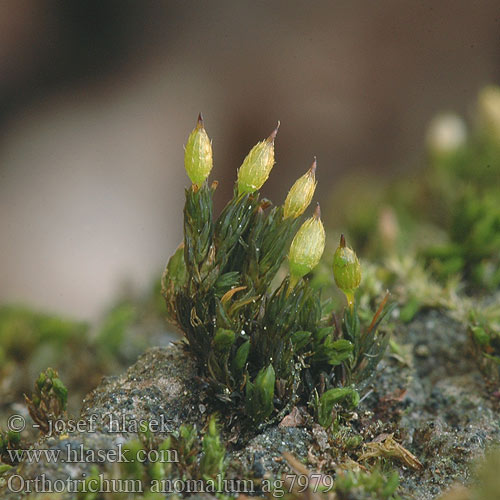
307	247
301	193
198	154
346	267
257	165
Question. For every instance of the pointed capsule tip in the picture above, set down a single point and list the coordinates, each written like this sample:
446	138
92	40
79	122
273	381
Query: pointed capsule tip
200	120
342	241
317	212
273	133
312	169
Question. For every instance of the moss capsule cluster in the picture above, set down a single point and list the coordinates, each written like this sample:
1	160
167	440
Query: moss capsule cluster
263	345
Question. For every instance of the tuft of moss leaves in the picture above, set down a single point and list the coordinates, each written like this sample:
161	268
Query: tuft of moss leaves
263	341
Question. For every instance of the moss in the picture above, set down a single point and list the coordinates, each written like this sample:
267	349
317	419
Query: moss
484	333
265	350
361	485
445	219
261	346
48	401
22	330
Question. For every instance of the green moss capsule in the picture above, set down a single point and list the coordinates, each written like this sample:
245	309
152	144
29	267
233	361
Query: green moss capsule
301	193
346	270
257	165
198	154
307	247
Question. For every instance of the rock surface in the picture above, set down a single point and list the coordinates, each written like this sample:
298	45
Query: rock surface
434	401
160	386
448	417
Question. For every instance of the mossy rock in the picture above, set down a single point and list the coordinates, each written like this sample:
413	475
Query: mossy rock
436	405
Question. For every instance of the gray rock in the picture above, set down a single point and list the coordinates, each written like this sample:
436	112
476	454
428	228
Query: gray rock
160	386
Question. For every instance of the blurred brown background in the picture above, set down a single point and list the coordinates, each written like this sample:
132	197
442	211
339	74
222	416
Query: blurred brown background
98	97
